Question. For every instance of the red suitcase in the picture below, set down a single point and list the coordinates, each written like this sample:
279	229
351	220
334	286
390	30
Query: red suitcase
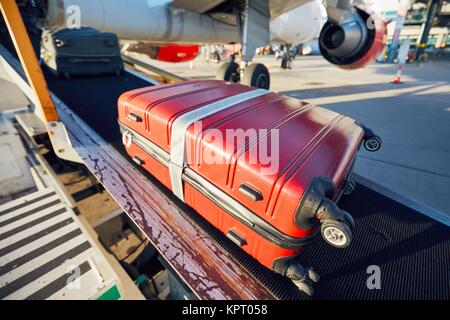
263	168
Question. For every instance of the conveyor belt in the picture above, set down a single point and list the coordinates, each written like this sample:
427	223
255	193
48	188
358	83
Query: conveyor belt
95	99
412	250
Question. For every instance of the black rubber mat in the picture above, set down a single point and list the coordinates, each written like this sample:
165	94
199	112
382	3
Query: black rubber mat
412	251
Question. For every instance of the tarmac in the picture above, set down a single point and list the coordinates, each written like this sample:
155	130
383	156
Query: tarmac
412	118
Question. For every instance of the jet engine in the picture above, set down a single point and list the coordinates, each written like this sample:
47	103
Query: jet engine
353	40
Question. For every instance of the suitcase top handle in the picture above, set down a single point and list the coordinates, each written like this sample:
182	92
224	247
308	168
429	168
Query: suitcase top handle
182	124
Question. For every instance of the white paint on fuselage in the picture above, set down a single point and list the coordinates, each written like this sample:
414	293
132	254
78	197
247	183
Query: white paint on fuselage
299	25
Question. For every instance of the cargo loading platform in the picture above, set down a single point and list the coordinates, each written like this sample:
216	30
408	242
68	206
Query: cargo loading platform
410	243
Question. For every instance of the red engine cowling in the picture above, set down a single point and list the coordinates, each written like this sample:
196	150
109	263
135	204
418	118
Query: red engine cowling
355	42
167	53
175	53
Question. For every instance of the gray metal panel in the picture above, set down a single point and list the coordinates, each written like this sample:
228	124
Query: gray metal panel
15	175
256	29
420	207
31	123
200	6
278	7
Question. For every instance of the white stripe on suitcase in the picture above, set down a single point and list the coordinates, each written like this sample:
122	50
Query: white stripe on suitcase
182	124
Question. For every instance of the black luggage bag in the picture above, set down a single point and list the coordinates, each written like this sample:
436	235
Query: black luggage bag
79	52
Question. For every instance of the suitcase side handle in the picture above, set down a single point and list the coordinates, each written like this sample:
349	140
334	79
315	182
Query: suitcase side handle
134	117
236	238
250	192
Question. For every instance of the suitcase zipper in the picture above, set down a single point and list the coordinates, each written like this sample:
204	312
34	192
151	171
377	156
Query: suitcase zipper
220	198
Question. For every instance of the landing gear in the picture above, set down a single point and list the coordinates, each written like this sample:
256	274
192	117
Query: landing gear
229	71
287	58
286	62
253	22
257	75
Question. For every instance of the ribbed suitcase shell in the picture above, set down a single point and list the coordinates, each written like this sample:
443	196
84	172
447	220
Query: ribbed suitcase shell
314	142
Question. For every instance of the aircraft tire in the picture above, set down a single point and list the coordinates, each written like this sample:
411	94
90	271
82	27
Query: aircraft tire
256	75
229	71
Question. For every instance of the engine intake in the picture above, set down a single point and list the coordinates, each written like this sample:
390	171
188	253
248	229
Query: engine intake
355	41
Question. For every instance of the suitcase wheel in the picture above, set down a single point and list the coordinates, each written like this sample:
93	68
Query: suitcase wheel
373	144
304	286
302	277
314	276
349	219
336	233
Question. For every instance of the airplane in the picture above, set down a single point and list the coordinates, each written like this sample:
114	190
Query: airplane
171	30
297	27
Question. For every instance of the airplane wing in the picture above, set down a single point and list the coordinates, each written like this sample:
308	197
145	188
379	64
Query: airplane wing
352	44
199	6
277	7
